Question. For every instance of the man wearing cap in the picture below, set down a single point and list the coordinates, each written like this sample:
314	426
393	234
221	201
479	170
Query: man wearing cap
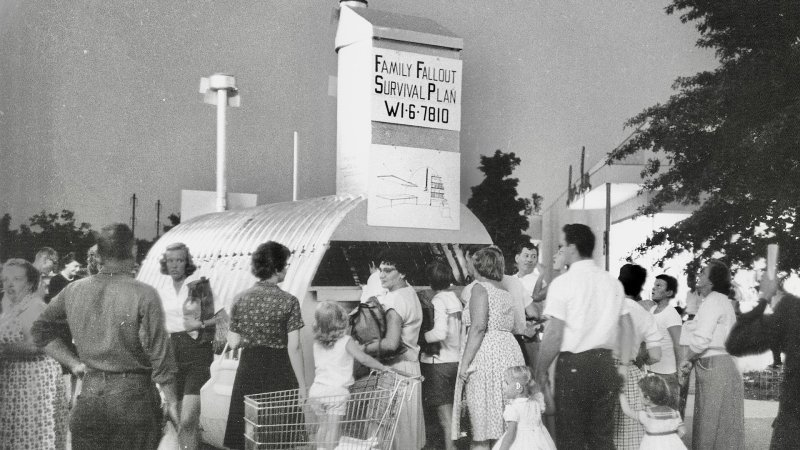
117	324
589	324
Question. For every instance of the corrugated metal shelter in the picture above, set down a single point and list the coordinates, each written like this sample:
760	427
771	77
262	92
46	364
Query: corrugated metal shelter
222	243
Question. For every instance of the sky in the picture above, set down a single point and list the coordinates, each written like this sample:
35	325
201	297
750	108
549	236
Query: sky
100	99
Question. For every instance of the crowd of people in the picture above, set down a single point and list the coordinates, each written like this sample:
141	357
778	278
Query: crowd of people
574	360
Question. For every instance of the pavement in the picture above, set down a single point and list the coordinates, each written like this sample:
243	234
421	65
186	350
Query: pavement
758	417
758	414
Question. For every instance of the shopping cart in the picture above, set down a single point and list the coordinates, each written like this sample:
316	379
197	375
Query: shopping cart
366	419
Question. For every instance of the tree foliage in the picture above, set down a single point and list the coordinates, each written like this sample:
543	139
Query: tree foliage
729	139
174	219
57	230
495	203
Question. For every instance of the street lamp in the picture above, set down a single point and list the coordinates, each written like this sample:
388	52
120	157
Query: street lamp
220	89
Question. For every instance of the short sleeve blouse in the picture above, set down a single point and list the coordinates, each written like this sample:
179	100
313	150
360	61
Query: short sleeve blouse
264	315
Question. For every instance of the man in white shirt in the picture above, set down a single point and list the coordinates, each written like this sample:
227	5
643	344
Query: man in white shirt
527	259
669	324
528	273
588	323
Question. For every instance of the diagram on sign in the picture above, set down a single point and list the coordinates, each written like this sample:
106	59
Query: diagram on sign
413	187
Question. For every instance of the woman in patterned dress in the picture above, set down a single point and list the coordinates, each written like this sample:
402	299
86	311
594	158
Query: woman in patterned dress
265	323
490	348
33	414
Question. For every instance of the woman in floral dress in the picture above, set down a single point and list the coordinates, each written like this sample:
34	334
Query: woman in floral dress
33	414
490	348
266	324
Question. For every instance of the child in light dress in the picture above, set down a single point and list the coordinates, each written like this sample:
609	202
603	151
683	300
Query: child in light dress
334	353
523	413
662	424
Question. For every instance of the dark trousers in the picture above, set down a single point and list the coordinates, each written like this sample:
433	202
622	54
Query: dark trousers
587	388
261	369
116	410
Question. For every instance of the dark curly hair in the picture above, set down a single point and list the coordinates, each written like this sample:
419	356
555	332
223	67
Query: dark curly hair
190	265
269	259
720	276
439	274
672	283
397	257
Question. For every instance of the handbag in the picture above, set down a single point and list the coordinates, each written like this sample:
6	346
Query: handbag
215	396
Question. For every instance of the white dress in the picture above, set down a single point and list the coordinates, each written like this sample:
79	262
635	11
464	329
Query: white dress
661	430
531	433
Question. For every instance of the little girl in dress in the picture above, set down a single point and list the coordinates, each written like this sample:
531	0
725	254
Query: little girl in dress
662	425
334	352
523	413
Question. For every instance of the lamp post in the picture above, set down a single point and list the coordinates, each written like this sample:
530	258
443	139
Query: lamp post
220	89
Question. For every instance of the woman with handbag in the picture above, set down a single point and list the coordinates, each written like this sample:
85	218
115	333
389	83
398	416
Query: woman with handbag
266	324
403	322
191	319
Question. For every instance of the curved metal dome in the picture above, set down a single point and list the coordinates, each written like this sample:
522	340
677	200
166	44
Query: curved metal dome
222	243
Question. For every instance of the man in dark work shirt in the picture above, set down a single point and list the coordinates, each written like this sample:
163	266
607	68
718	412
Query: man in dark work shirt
117	324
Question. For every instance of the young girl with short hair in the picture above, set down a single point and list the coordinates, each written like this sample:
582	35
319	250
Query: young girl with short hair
334	353
662	424
523	413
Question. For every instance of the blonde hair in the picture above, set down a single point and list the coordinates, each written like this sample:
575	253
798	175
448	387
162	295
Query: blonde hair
330	323
523	376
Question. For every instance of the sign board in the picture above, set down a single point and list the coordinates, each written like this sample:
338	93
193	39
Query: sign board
416	89
197	203
414	188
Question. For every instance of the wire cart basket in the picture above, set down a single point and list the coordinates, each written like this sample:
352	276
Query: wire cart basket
366	419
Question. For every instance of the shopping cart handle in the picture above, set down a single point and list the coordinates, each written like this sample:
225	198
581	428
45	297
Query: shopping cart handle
408	375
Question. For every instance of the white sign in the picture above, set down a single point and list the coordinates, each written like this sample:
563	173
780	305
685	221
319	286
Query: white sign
414	188
415	89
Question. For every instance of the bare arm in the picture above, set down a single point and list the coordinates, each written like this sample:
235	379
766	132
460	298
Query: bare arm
479	313
390	342
626	335
551	346
654	355
295	349
534	309
509	436
354	349
675	334
59	351
439	331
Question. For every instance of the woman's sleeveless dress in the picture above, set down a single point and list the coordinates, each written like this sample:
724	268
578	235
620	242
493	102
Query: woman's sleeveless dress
498	351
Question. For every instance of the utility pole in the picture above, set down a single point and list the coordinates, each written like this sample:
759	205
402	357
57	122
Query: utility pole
158	217
133	214
220	89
